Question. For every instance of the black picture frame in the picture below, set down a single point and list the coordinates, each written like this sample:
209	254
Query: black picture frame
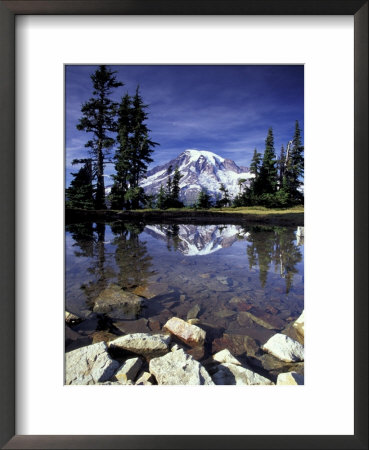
8	12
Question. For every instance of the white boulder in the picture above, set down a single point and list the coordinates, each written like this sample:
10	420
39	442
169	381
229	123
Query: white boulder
89	365
284	348
290	378
234	374
128	370
225	356
143	344
178	368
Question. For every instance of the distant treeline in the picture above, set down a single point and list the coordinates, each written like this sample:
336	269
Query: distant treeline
276	183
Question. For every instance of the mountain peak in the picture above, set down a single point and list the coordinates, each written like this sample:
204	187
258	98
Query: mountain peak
200	169
209	156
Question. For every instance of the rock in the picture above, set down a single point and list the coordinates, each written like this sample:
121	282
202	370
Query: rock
237	344
190	334
154	325
197	353
145	379
299	324
193	321
234	374
240	301
102	336
152	290
292	332
142	344
89	365
284	348
118	304
178	368
244	319
275	366
132	326
71	335
224	280
225	356
264	319
193	312
71	318
128	370
225	313
205	275
75	340
175	347
290	378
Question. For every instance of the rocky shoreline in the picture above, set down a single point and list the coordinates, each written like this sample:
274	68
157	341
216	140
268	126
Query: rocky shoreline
174	355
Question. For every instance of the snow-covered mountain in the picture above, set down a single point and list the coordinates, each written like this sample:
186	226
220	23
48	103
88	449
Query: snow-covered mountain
199	239
200	169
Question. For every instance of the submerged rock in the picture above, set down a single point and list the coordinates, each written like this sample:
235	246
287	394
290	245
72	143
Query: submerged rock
190	334
275	366
132	326
89	365
264	319
102	336
193	312
284	348
193	321
290	378
237	344
143	344
234	374
153	290
118	304
225	313
225	356
128	370
178	368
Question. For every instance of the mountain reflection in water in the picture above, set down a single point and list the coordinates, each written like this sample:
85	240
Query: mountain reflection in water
223	269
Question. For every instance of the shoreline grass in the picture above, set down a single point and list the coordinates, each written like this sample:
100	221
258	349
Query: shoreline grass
271	216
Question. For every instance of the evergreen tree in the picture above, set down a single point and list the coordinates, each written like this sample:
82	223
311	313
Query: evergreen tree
141	148
224	200
80	192
122	155
161	202
169	198
175	188
99	119
240	183
281	166
204	200
296	166
255	170
268	171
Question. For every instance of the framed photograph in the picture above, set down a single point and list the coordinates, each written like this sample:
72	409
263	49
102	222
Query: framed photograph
175	165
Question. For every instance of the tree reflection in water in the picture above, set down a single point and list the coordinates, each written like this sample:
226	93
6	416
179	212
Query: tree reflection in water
131	256
273	245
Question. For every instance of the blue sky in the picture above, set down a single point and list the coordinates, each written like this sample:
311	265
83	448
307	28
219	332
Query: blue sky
226	109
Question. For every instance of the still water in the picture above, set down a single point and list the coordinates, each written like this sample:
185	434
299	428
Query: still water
219	275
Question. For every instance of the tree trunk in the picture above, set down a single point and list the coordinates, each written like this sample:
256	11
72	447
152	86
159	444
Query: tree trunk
100	187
